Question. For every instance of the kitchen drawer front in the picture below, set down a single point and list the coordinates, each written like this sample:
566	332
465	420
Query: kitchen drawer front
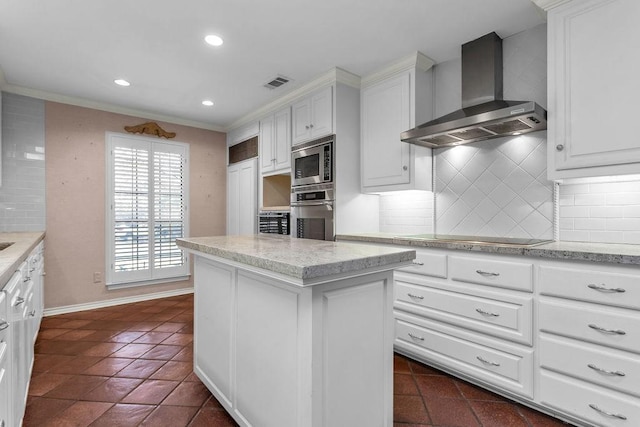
503	316
484	271
428	264
574	397
600	365
491	361
610	327
622	290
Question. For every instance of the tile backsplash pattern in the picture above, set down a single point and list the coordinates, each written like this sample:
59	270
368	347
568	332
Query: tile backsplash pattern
605	212
495	188
406	212
22	194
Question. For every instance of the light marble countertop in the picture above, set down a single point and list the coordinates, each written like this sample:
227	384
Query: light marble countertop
578	251
298	258
12	257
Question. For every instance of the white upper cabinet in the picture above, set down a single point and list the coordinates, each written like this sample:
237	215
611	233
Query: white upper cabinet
275	142
312	116
593	87
393	101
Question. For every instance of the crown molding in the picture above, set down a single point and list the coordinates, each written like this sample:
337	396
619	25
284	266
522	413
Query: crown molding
549	4
332	76
81	102
416	60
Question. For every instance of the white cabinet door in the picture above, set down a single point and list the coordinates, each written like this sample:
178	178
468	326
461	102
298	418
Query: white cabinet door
385	114
282	139
312	116
213	325
593	87
5	360
266	154
242	197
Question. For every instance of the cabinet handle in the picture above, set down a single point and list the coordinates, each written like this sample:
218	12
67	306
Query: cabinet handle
487	313
32	270
405	168
417	263
26	279
607	331
3	325
488	362
415	337
19	301
33	313
306	127
608	414
602	288
415	296
487	273
604	371
310	126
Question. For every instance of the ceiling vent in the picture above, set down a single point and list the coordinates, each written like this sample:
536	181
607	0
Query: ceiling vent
277	82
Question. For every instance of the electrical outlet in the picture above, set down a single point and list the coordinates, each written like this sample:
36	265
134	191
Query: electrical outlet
97	277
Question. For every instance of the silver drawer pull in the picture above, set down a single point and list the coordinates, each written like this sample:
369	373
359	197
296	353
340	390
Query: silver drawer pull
488	362
487	273
487	313
604	288
33	313
608	414
415	296
3	325
19	301
604	371
415	337
607	331
417	263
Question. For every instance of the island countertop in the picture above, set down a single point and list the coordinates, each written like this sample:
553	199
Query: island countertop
301	259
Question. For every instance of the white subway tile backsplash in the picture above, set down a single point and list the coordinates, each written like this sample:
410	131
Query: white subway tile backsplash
22	201
407	212
613	212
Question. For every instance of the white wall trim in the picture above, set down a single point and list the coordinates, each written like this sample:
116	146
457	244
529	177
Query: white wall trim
415	60
549	4
334	75
96	105
116	301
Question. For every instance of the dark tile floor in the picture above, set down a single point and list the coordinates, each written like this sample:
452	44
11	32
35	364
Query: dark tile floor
131	365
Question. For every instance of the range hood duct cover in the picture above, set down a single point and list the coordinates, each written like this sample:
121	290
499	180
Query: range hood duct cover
484	114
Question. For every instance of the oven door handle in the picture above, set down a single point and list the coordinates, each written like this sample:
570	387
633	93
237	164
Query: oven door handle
303	204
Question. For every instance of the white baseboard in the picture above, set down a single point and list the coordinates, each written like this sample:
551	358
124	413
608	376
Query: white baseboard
117	301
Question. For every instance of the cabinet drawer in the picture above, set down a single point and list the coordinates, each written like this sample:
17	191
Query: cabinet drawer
600	365
611	327
503	274
622	290
504	316
588	402
428	264
490	361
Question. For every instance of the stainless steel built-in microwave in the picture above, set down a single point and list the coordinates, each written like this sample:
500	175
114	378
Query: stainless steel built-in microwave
312	162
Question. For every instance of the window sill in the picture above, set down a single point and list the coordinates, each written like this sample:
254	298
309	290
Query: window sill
116	286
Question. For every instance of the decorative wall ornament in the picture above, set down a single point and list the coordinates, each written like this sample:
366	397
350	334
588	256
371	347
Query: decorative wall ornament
150	128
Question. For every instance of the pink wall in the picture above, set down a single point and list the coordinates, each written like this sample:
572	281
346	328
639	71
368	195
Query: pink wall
75	199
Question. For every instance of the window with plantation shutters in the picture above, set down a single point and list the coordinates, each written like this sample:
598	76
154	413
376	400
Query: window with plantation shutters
147	188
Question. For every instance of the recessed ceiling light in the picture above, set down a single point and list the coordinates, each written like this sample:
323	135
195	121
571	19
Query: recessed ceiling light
207	103
214	40
122	82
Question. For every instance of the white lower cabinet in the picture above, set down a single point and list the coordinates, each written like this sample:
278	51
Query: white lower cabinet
20	315
277	354
560	336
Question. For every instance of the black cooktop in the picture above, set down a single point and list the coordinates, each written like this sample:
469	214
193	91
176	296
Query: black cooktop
515	241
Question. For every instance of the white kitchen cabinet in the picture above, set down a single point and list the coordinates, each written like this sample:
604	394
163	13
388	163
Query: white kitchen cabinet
465	324
5	361
19	340
312	116
277	353
243	133
589	341
242	197
275	142
593	88
392	102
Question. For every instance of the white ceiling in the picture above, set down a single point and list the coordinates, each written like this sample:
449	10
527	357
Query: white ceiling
72	50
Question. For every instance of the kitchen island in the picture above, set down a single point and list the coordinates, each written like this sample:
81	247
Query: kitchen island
295	332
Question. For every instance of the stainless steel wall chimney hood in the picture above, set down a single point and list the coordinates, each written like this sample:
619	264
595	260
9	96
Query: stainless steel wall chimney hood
484	114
